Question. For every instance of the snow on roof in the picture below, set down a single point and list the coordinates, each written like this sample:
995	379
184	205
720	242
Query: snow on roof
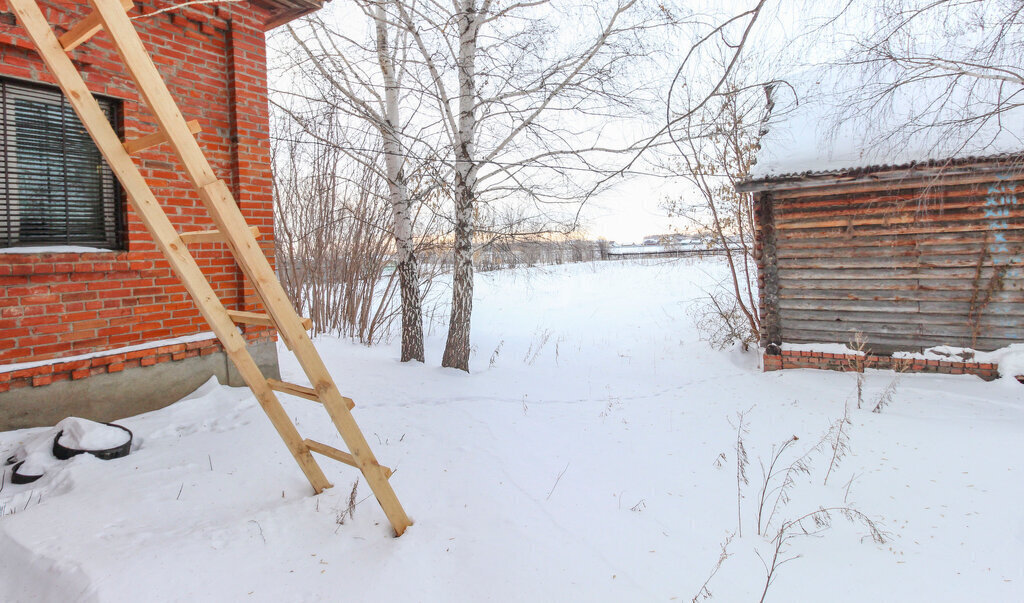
838	119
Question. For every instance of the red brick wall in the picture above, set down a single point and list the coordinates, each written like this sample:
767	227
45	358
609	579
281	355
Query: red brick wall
214	61
849	362
116	362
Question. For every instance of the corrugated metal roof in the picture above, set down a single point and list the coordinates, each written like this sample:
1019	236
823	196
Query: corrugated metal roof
905	171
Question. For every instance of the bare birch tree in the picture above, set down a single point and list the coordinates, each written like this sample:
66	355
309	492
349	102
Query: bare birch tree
339	79
517	86
953	71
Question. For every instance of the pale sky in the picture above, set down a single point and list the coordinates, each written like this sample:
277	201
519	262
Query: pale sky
630	211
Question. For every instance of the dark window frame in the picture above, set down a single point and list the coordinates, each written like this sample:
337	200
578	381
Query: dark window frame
92	207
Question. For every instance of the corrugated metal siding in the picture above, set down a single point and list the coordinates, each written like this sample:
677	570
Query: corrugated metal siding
909	268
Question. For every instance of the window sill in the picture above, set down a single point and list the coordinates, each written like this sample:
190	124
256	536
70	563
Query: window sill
54	249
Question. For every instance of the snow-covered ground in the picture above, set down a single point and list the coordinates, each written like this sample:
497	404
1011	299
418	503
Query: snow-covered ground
591	456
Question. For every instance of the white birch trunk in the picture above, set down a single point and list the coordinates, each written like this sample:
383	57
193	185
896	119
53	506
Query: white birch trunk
408	277
457	348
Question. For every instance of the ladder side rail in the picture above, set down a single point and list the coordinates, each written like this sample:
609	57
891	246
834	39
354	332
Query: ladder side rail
160	227
214	192
229	220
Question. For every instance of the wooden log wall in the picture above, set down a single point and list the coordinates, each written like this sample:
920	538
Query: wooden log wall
909	265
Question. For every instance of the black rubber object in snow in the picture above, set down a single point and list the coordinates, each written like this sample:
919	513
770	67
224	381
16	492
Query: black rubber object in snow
63	452
21	478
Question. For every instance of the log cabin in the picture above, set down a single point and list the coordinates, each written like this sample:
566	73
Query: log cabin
906	256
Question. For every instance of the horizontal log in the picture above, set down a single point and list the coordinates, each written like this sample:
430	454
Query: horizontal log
866	286
879	274
824	296
938	322
909	250
903	229
1014	215
901	262
786	304
934	200
891	240
894	342
962	330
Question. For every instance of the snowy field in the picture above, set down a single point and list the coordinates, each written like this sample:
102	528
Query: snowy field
590	456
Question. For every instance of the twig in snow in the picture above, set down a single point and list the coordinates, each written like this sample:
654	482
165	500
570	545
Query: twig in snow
704	593
886	396
780	488
848	485
178	497
859	343
820	520
350	511
839	440
495	354
720	460
741	466
258	526
210	458
557	479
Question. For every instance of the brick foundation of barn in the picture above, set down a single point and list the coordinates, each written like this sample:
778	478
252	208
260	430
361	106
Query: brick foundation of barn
790	359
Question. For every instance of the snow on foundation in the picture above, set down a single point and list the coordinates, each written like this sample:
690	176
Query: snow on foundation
1009	359
7	368
588	456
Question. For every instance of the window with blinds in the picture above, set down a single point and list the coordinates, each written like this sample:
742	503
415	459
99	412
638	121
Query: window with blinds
55	187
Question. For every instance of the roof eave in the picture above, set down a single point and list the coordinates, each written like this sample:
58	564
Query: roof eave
870	174
285	11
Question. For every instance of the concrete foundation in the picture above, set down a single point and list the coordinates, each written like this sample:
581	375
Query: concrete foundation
111	396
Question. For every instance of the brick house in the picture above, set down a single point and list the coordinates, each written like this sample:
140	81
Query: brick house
93	322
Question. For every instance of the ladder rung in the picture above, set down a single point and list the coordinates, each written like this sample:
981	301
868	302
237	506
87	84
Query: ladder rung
86	28
211	236
255	318
156	138
338	455
301	391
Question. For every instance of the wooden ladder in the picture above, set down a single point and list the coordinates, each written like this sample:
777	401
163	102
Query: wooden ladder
111	15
